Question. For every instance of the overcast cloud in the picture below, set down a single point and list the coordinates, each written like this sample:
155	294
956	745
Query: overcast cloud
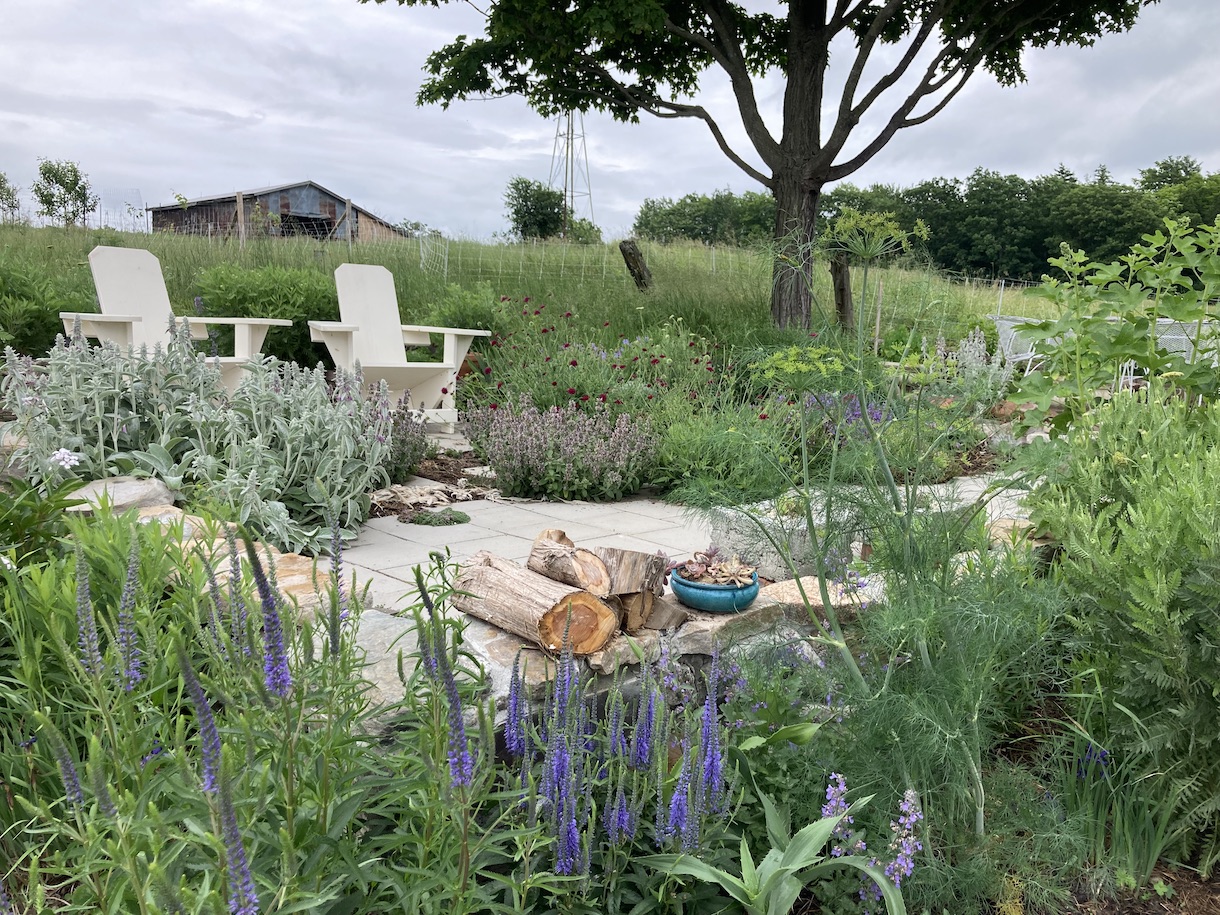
205	97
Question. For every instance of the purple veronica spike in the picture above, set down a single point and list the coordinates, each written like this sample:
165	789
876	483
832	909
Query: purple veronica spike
86	623
243	899
237	601
217	611
618	739
67	771
275	658
129	648
515	739
209	736
437	663
336	567
6	905
678	827
641	737
712	788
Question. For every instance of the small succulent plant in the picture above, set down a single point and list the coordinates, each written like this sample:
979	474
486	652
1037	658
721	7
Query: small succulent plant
712	567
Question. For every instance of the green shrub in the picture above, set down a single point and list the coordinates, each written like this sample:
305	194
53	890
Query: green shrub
1133	502
29	309
298	294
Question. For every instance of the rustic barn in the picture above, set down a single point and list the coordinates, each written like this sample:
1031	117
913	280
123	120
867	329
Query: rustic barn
305	208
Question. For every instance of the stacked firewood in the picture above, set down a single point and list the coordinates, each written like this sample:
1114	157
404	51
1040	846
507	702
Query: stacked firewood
563	591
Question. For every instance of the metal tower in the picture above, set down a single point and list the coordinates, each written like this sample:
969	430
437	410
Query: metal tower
570	168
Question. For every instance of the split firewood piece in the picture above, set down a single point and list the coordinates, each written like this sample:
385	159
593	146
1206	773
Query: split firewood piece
532	606
637	610
632	571
565	562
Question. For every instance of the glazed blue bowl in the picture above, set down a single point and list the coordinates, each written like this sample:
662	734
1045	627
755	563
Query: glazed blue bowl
713	598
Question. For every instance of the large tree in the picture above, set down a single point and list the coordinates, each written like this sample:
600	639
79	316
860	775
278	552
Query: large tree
631	56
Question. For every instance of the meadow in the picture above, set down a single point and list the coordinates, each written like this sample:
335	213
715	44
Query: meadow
1009	730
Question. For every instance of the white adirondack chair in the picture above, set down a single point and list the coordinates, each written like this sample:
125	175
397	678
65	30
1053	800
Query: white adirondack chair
369	332
136	311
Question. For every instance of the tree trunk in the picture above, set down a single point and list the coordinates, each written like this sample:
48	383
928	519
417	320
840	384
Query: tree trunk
840	278
532	606
796	213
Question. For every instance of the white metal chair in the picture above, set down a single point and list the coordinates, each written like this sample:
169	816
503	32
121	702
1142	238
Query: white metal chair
369	332
135	310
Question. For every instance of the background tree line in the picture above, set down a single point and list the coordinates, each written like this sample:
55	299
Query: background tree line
989	224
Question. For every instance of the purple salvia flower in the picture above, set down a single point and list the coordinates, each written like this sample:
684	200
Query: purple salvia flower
276	674
86	623
904	843
836	805
243	898
515	739
209	736
67	770
237	601
129	648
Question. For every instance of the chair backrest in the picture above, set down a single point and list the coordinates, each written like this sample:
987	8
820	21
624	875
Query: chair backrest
129	282
367	300
1011	342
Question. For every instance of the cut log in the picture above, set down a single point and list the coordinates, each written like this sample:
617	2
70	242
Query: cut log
532	606
632	571
552	533
569	564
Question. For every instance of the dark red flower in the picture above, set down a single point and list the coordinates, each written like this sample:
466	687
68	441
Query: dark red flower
493	406
584	397
572	362
655	361
762	415
571	390
567	314
487	371
545	330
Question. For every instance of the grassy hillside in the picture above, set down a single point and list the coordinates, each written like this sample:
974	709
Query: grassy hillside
721	293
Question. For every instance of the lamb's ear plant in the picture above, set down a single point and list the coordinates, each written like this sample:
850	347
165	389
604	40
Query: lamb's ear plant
282	454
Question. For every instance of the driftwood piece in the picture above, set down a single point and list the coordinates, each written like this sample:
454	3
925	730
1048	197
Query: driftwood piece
569	564
634	259
532	606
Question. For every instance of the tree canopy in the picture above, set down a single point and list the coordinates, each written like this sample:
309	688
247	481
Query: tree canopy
628	57
63	192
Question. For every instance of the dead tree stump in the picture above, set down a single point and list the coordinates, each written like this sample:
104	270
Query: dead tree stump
635	264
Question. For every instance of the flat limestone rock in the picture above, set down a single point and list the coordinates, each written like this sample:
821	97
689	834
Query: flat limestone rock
496	649
621	650
123	493
702	632
788	592
383	636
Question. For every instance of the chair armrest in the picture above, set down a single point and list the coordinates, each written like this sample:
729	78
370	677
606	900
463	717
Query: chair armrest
118	329
446	330
457	340
338	338
249	334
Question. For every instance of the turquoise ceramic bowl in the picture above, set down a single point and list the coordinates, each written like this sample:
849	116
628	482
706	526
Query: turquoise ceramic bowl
713	598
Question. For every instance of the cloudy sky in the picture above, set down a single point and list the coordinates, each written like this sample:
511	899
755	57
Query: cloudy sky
204	97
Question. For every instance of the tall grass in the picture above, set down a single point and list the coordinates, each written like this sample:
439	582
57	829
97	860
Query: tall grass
722	293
